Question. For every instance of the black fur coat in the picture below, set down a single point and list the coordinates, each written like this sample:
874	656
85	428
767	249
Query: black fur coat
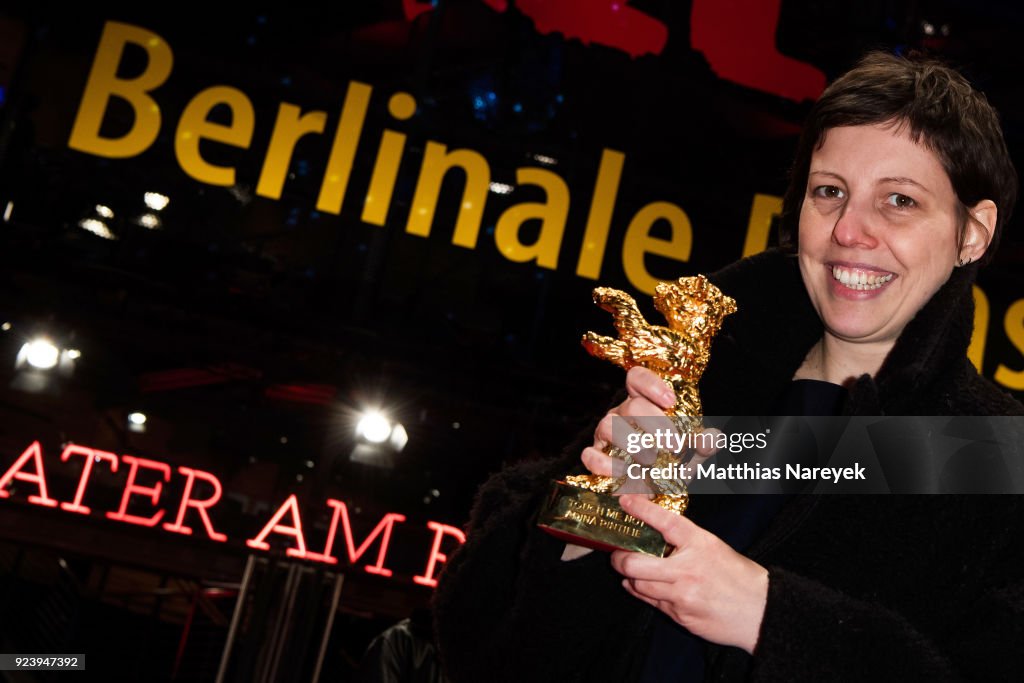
903	588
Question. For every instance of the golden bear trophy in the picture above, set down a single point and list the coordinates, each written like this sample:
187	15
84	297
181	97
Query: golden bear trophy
582	509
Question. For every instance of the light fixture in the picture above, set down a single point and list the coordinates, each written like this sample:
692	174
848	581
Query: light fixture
73	354
544	159
104	211
374	427
156	201
137	422
6	327
501	188
148	220
40	354
97	227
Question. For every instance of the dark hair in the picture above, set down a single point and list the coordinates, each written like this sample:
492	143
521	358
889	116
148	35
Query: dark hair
937	105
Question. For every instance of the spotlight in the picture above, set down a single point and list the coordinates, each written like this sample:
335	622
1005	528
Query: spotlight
97	227
156	201
41	354
73	354
501	188
374	427
104	211
148	220
137	422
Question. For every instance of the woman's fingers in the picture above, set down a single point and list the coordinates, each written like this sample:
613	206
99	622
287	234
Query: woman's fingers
643	382
601	464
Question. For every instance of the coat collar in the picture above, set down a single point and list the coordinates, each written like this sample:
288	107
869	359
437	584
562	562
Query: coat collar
761	346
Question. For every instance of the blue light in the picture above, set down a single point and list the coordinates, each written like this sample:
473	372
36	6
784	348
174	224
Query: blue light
3	95
517	108
492	96
478	102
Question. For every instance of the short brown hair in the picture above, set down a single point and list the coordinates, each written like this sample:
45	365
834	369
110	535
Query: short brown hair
938	106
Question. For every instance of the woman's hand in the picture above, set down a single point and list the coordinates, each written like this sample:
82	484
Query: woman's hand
704	585
649	399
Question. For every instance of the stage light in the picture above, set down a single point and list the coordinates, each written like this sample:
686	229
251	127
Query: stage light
73	354
501	188
137	422
6	327
8	210
104	211
374	427
148	220
97	227
546	160
156	201
41	354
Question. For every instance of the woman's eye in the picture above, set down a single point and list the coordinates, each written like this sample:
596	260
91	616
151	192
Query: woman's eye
829	192
900	201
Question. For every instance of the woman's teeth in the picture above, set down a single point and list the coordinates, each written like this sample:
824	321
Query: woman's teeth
859	279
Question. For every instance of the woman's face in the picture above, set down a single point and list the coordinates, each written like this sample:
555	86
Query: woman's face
878	231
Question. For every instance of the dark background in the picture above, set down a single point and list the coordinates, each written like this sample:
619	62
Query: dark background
253	331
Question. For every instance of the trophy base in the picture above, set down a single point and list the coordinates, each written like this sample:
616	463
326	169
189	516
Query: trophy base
595	520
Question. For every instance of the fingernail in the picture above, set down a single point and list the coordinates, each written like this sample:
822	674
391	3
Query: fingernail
668	398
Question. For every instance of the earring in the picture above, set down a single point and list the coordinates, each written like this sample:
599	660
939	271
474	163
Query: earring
964	260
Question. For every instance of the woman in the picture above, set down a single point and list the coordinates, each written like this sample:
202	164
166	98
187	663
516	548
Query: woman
901	186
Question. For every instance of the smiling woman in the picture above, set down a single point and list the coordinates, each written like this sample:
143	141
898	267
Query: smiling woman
900	188
880	232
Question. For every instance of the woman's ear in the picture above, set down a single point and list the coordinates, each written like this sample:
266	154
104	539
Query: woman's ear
978	233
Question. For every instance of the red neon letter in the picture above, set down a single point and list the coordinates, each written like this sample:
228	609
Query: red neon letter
291	505
201	506
89	455
131	488
435	552
738	39
35	453
383	527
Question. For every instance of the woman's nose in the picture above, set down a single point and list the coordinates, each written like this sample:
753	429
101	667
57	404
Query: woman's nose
853	228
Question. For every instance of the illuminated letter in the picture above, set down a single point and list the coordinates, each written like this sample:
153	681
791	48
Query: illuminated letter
34	453
288	128
103	84
599	219
383	527
343	151
131	488
89	455
385	169
765	207
639	242
437	161
427	579
201	506
976	351
552	215
194	126
295	530
1014	323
